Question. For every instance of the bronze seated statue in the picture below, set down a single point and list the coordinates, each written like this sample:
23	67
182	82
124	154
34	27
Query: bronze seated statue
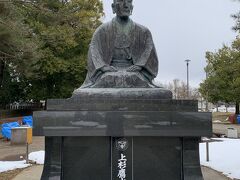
122	54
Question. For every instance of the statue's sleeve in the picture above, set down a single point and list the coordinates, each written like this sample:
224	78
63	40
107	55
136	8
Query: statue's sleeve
148	59
95	54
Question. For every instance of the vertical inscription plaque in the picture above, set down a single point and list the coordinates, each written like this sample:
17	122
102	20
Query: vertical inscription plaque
122	157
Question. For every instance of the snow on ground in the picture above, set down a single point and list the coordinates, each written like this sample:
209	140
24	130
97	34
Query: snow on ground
224	156
11	165
37	157
224	109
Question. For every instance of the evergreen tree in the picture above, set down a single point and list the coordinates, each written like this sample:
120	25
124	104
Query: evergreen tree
46	44
16	54
223	81
63	30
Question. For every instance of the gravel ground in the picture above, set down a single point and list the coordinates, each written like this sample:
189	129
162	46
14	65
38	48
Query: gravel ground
10	152
219	128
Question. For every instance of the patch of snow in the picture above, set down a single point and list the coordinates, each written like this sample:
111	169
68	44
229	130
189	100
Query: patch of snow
11	165
231	109
217	121
224	156
224	109
37	157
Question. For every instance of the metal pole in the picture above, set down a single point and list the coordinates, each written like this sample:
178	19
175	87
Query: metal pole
27	161
207	151
188	79
187	61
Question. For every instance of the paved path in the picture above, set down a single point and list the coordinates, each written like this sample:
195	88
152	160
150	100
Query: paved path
31	173
34	173
209	174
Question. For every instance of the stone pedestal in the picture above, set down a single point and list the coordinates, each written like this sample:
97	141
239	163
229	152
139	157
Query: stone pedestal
96	137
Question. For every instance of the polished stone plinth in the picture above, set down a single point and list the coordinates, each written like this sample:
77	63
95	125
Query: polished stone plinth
121	93
87	136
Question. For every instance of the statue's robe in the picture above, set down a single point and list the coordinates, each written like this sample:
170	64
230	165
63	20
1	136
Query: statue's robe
102	47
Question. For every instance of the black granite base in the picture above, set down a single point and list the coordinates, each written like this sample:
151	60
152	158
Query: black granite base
90	158
122	139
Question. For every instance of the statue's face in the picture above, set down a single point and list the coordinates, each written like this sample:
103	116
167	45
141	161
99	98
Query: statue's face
123	8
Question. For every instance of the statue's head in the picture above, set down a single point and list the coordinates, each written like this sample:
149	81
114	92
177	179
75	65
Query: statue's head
123	8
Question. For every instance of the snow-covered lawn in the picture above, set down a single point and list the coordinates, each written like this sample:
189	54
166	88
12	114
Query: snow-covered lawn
36	157
224	156
11	165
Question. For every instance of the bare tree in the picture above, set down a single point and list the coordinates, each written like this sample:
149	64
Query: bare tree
179	90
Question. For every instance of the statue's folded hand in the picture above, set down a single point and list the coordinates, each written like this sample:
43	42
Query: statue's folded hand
134	68
108	69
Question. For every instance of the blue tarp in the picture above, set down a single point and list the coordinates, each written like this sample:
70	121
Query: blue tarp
238	119
28	120
6	129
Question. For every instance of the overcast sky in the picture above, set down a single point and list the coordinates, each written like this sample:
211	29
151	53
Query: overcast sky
184	29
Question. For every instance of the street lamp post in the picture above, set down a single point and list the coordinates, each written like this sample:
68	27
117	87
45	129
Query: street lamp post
187	61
